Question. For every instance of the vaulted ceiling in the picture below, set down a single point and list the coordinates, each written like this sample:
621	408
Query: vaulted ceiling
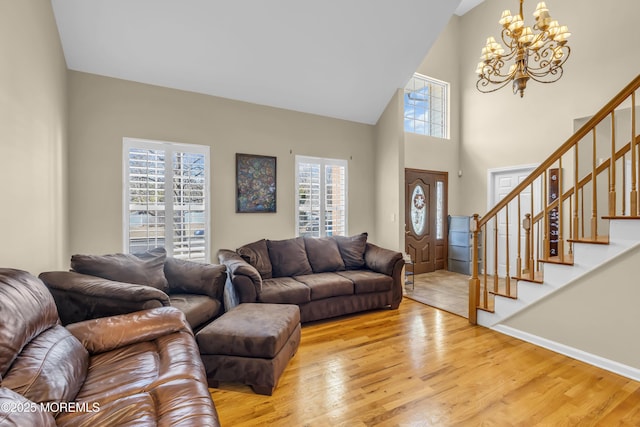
335	58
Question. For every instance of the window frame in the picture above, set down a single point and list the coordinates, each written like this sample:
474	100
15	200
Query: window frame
169	148
429	124
322	162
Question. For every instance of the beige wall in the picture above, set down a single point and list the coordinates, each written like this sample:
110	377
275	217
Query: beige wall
389	177
501	129
33	138
604	322
437	154
104	110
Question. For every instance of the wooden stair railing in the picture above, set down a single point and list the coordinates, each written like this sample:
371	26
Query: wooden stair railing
558	204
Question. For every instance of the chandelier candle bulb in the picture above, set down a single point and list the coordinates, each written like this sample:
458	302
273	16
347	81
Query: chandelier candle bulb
563	34
516	25
506	18
537	52
527	36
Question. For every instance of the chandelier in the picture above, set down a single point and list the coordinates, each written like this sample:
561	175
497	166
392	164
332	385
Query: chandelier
539	52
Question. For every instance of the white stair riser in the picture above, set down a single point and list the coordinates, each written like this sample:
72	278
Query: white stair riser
558	274
624	229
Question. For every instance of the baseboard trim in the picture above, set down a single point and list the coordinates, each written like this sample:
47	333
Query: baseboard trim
592	359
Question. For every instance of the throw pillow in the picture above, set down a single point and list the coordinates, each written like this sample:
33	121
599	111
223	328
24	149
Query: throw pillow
142	269
288	257
323	254
257	254
352	250
194	278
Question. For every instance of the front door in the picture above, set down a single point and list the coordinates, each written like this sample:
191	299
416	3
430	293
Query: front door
426	219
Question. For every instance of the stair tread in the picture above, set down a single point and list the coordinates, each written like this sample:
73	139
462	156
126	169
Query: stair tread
568	260
621	217
599	240
537	277
502	294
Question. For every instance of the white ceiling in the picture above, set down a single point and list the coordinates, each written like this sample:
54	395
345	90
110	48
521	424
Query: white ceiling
336	58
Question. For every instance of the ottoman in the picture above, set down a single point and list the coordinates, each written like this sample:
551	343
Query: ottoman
251	344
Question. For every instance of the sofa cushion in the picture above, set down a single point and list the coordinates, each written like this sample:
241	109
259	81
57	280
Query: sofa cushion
366	281
10	416
191	277
155	382
352	250
257	254
326	285
51	368
27	309
143	269
323	254
284	290
198	309
288	257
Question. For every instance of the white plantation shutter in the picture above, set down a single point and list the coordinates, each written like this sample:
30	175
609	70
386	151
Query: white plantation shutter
166	203
321	197
189	211
145	214
335	215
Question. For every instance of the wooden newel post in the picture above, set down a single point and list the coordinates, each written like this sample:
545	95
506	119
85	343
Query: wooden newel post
474	281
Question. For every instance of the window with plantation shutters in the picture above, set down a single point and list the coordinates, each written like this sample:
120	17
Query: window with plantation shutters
166	198
321	198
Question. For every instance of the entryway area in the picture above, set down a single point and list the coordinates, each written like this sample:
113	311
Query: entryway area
426	241
426	210
441	289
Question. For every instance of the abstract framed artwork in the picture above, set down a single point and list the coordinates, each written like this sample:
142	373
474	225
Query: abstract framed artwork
255	183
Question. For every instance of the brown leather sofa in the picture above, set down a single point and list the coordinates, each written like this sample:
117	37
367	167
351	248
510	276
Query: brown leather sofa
325	277
140	369
107	285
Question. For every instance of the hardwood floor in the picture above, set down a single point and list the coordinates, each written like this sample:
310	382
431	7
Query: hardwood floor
421	366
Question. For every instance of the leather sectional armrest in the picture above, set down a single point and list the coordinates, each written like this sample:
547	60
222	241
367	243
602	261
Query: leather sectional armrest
109	333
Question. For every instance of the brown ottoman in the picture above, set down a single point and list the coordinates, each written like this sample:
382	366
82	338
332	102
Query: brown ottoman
252	344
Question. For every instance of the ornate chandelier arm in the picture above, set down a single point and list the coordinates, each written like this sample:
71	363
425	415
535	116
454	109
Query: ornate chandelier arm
548	61
481	85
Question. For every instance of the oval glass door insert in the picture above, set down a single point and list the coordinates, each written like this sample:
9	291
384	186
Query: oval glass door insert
418	210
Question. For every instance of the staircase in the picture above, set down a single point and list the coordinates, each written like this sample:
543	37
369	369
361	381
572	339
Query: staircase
624	235
576	212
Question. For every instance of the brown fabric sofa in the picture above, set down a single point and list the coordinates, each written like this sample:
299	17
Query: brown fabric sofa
107	285
141	368
325	277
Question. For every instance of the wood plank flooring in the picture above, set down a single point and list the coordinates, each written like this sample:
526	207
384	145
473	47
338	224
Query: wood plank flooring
421	366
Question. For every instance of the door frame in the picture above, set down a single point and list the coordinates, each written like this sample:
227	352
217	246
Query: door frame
492	176
494	172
